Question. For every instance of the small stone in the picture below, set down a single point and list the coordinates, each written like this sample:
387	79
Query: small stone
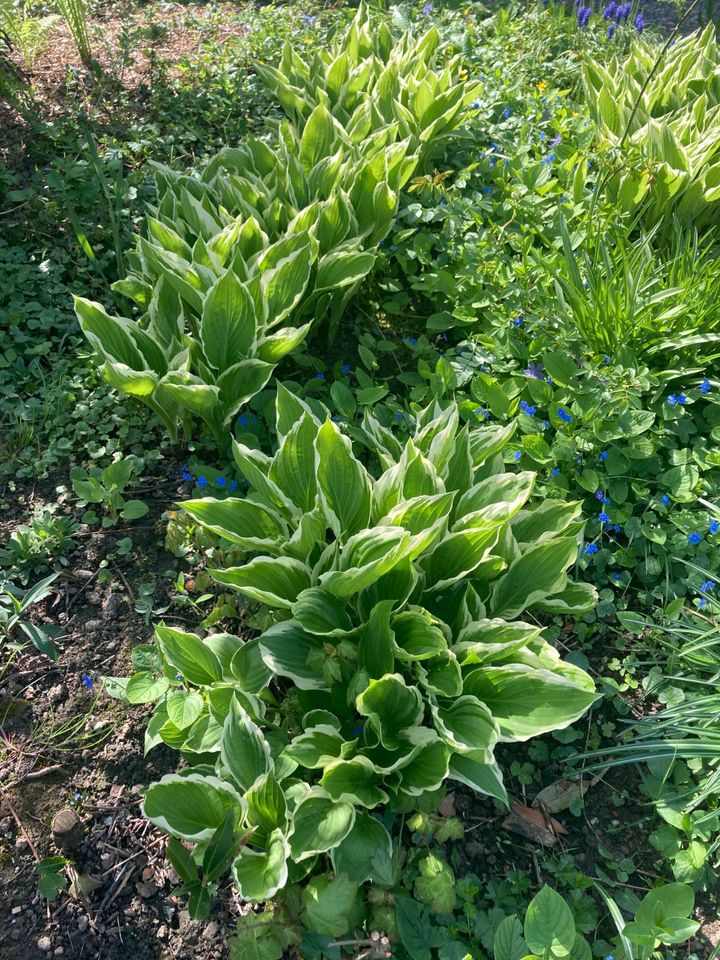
210	930
59	951
93	626
161	932
44	944
21	845
106	860
82	924
67	830
146	889
16	910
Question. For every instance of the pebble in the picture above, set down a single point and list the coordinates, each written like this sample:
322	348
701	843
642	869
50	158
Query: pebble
16	910
82	924
210	930
44	944
59	951
106	860
93	626
161	932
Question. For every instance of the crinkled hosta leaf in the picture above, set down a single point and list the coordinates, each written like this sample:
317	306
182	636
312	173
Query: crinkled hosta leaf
343	482
317	746
290	652
427	769
417	637
319	824
441	675
391	706
321	612
274	581
423	517
293	467
527	702
191	807
466	725
266	806
376	648
259	875
355	781
493	640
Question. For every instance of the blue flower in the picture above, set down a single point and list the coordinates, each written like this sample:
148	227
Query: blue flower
482	413
705	386
506	113
591	548
356	730
606	358
427	9
583	17
86	680
702	602
714	526
475	105
665	500
556	140
604	455
599	495
399	415
555	472
639	23
609	10
616	576
535	371
411	341
442	203
610	31
545	425
603	517
187	476
694	537
708	586
549	158
528	408
616	528
233	485
518	322
564	415
220	482
677	399
346	368
393	248
319	376
517	455
202	482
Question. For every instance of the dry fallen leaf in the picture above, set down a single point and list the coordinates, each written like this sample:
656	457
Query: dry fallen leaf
560	795
447	806
533	825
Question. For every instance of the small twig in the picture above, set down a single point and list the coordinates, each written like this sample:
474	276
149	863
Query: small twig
36	774
117	887
119	572
18	821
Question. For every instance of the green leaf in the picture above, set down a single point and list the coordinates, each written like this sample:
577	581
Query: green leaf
355	781
467	726
267	808
508	943
183	708
328	905
274	581
537	574
342	269
191	807
245	522
391	707
343	482
320	612
146	687
549	924
290	652
367	844
134	509
317	746
259	875
221	849
458	554
416	636
243	749
414	927
319	824
376	646
188	654
526	702
228	324
293	467
476	772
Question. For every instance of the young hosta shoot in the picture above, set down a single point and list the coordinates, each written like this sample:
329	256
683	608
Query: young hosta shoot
397	654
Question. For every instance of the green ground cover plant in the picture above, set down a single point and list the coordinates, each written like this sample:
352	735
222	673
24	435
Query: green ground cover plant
433	336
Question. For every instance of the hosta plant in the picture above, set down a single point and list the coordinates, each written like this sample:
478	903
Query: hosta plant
236	265
395	655
371	82
658	129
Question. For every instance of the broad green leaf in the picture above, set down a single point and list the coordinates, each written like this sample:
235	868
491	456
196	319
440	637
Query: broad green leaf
343	482
245	522
365	558
427	769
319	824
391	707
526	702
476	772
355	781
458	554
549	924
293	467
146	687
467	726
320	612
267	809
537	574
317	746
368	844
189	655
508	943
259	875
228	323
328	905
274	581
191	807
243	749
290	652
416	636
184	707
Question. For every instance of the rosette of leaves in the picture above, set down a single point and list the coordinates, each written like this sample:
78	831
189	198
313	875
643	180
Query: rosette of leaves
394	603
372	82
658	128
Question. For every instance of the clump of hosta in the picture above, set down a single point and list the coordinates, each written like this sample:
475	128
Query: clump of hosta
381	89
402	634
